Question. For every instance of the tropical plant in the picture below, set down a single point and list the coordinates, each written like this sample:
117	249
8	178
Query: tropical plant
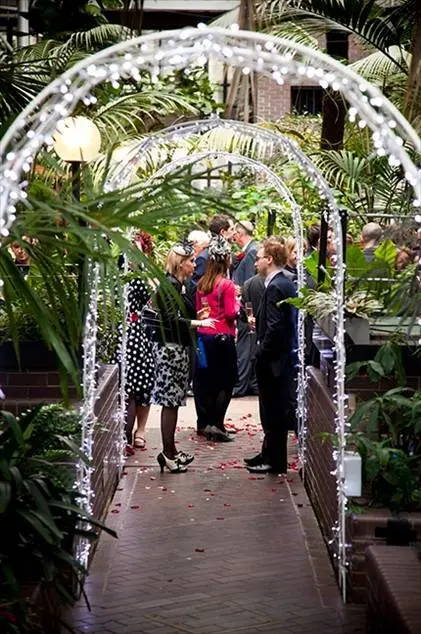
55	234
60	17
386	431
24	72
40	519
391	29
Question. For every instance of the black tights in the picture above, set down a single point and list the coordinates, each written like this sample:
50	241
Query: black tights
169	417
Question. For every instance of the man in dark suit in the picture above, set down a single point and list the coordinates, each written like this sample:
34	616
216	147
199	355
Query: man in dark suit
219	225
274	359
243	266
252	292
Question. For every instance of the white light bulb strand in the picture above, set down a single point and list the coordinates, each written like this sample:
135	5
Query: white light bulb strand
122	414
179	49
87	409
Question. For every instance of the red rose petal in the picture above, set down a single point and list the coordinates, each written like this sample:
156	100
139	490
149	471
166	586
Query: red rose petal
117	504
115	511
220	518
227	504
252	478
124	473
153	478
199	550
190	506
135	506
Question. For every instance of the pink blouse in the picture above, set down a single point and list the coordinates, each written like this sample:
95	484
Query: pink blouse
223	305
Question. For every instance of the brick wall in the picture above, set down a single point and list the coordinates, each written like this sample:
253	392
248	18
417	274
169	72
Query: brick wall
106	439
273	100
320	484
28	388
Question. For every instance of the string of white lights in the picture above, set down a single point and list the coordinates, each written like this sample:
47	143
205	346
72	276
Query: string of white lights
87	410
273	57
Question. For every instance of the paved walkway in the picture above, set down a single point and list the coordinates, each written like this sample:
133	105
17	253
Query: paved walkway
212	551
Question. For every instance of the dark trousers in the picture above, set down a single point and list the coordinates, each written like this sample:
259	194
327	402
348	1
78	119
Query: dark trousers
246	348
213	384
275	414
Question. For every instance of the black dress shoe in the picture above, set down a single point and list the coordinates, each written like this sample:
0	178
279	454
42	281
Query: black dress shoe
261	468
252	462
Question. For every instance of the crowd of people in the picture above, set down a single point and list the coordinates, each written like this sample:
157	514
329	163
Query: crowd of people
219	328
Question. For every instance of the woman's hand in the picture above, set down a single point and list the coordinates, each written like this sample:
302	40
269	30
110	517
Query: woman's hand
208	323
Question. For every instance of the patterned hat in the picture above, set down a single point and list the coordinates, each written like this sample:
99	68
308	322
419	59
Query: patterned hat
185	248
218	248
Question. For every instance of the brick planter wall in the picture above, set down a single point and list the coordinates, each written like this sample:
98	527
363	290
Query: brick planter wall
363	530
320	484
105	439
26	389
370	529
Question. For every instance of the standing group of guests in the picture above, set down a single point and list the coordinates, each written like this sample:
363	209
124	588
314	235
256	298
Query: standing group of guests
204	306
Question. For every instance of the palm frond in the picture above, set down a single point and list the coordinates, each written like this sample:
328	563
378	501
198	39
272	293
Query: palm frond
295	33
378	67
363	18
134	112
226	19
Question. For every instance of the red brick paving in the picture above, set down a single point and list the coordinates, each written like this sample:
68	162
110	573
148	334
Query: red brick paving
212	551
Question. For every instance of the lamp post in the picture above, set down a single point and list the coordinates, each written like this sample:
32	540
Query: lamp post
77	140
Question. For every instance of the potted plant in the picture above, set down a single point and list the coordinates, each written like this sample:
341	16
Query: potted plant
40	518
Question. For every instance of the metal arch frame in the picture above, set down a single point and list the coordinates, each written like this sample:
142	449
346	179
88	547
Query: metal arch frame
279	184
251	51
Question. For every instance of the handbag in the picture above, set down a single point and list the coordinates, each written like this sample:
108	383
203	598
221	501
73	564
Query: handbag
150	322
201	358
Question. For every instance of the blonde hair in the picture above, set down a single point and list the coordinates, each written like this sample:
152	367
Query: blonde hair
290	245
174	261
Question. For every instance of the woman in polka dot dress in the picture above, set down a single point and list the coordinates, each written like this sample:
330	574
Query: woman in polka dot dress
140	376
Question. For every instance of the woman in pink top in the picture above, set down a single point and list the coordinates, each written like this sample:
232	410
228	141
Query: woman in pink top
216	363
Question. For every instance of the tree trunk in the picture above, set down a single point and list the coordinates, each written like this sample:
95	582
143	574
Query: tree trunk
333	111
413	88
242	98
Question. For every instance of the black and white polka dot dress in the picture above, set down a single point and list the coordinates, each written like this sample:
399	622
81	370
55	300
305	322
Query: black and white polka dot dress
140	364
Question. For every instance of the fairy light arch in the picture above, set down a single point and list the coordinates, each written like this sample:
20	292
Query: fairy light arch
274	57
286	193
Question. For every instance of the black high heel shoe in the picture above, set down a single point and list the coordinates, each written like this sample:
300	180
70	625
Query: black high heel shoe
184	458
173	466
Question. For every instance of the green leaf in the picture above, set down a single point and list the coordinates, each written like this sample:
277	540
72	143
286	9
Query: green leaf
45	529
5	496
386	357
386	252
375	370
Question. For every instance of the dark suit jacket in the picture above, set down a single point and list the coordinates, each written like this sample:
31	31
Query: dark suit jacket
253	291
200	267
275	326
245	268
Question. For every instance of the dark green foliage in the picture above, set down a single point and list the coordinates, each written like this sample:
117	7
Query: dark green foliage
386	431
39	521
